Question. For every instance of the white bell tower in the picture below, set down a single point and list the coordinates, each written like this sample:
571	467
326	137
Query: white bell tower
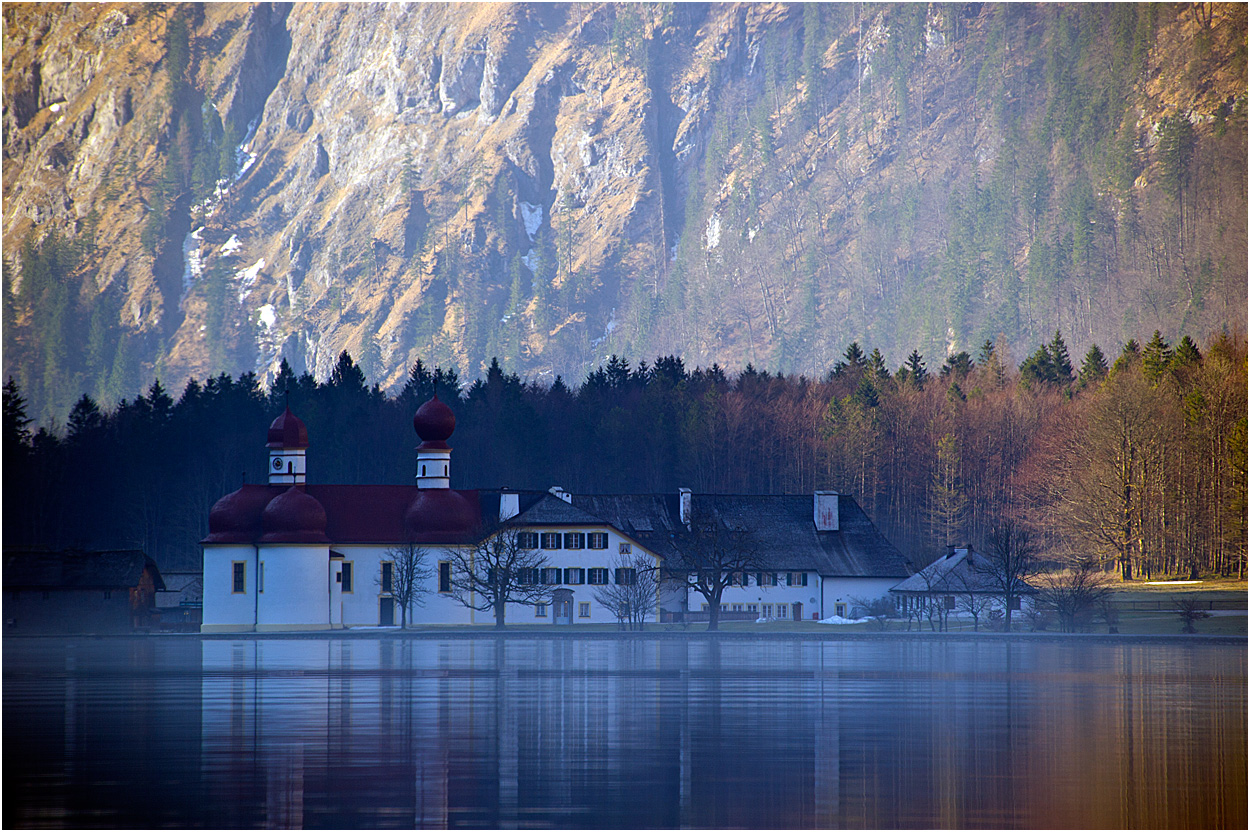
434	423
288	442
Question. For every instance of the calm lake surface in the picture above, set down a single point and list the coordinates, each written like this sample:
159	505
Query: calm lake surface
391	732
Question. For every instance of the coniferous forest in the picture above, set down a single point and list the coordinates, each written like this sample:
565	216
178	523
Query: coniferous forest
1136	460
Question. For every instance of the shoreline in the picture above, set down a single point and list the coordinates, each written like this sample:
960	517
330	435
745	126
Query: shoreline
459	634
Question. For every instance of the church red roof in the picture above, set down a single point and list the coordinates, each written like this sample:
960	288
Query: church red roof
434	423
294	516
287	431
364	514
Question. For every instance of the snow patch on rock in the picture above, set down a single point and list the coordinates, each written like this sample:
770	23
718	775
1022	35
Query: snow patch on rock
192	261
532	216
268	315
247	278
244	158
712	235
232	245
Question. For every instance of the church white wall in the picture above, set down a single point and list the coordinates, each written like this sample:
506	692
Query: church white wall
297	588
227	611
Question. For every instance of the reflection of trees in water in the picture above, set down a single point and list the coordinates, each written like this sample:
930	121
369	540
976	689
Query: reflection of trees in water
711	733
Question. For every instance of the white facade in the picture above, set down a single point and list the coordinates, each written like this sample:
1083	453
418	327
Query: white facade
269	565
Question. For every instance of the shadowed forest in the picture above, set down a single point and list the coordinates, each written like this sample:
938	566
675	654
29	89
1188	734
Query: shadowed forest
1138	461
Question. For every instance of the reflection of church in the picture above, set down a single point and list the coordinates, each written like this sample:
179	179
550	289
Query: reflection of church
369	733
294	555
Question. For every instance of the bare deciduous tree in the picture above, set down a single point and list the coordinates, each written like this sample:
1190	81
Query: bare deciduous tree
409	579
1010	558
713	556
1189	609
497	571
1073	592
631	595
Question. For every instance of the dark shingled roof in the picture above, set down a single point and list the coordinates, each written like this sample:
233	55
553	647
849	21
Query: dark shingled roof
780	528
550	510
73	569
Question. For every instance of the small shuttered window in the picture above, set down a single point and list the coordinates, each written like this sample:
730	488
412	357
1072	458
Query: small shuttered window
574	540
551	540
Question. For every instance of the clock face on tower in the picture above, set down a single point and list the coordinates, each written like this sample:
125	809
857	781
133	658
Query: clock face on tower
277	463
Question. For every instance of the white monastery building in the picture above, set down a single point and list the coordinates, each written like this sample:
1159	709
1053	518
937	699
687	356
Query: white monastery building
294	555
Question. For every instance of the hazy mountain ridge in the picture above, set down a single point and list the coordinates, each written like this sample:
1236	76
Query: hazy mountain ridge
554	183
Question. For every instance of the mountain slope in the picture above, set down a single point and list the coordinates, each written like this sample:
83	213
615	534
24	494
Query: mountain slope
553	183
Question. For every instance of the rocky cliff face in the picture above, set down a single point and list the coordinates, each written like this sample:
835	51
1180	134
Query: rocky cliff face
553	183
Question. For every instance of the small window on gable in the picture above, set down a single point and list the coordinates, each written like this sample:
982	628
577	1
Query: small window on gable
626	549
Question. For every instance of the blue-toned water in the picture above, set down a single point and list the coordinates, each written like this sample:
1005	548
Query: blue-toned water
393	732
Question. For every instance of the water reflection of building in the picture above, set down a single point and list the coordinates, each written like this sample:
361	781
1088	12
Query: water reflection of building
502	733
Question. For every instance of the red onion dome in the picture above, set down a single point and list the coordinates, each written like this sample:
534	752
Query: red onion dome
434	421
440	513
294	516
287	431
235	518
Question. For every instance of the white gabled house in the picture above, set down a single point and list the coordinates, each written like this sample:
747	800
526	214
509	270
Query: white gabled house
962	584
290	555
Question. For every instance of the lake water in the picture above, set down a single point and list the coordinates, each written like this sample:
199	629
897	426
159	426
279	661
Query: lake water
585	733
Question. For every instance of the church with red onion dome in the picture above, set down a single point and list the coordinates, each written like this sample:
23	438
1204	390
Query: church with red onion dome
292	554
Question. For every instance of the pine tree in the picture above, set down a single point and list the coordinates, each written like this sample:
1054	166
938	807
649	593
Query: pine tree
1061	365
1156	358
876	365
916	372
1093	368
1187	354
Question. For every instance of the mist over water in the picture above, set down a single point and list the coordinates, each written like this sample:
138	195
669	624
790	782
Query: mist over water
623	733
